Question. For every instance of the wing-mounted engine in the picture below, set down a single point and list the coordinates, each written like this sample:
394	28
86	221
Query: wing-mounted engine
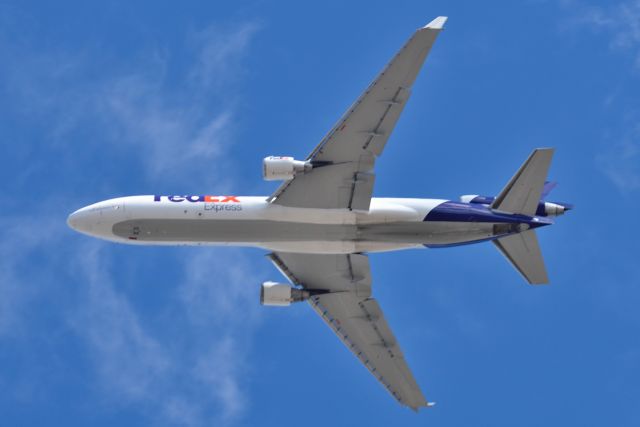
281	294
276	168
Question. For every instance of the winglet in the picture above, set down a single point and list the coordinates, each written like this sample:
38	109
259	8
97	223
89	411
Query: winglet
437	24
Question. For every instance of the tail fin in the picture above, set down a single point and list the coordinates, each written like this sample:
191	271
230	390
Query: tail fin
523	252
522	193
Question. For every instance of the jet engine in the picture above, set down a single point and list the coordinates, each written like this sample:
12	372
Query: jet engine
543	209
275	168
281	294
555	209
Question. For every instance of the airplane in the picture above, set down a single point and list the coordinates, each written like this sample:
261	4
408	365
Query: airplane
322	221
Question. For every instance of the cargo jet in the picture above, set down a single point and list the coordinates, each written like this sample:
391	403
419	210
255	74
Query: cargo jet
321	223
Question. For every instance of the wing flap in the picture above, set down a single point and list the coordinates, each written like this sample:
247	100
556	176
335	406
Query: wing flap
333	273
309	189
361	191
363	130
356	318
361	326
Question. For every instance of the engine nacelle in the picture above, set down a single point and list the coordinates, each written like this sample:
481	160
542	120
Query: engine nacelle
281	294
275	168
543	209
555	209
469	198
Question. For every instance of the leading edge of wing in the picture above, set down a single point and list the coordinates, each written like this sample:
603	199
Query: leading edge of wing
347	153
363	329
435	25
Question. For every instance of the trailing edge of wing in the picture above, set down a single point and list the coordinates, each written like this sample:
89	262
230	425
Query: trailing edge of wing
361	326
356	318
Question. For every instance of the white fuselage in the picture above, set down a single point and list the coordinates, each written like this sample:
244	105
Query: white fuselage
390	224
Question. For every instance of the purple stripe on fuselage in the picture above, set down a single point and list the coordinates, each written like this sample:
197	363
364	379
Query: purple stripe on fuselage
540	210
473	212
471	242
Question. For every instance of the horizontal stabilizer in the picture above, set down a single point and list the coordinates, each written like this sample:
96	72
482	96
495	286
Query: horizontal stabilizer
523	252
522	194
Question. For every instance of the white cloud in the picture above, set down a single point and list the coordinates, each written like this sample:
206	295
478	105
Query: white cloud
181	134
176	124
620	21
620	161
128	360
18	242
185	363
222	370
195	374
210	274
175	138
220	51
220	295
195	382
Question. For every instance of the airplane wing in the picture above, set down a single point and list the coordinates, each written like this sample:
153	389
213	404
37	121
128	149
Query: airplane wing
343	300
343	176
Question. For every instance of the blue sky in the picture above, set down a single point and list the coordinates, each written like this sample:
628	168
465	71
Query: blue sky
100	100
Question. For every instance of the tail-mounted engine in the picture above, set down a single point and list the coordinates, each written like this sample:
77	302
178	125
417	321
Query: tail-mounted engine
275	168
281	294
544	208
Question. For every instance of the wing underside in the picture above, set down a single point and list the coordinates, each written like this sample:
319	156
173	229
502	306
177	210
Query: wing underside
354	316
342	177
346	155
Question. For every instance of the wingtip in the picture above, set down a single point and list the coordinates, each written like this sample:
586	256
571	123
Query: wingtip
437	24
416	408
545	149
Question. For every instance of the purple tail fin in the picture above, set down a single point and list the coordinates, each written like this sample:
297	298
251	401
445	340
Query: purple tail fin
548	186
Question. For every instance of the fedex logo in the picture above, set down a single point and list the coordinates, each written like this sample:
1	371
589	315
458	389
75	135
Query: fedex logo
193	199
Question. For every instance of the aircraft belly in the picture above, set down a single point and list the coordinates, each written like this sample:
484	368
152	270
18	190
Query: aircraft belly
427	232
230	231
288	236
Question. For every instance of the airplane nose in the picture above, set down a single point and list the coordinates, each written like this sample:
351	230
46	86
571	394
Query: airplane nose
80	221
71	222
97	220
